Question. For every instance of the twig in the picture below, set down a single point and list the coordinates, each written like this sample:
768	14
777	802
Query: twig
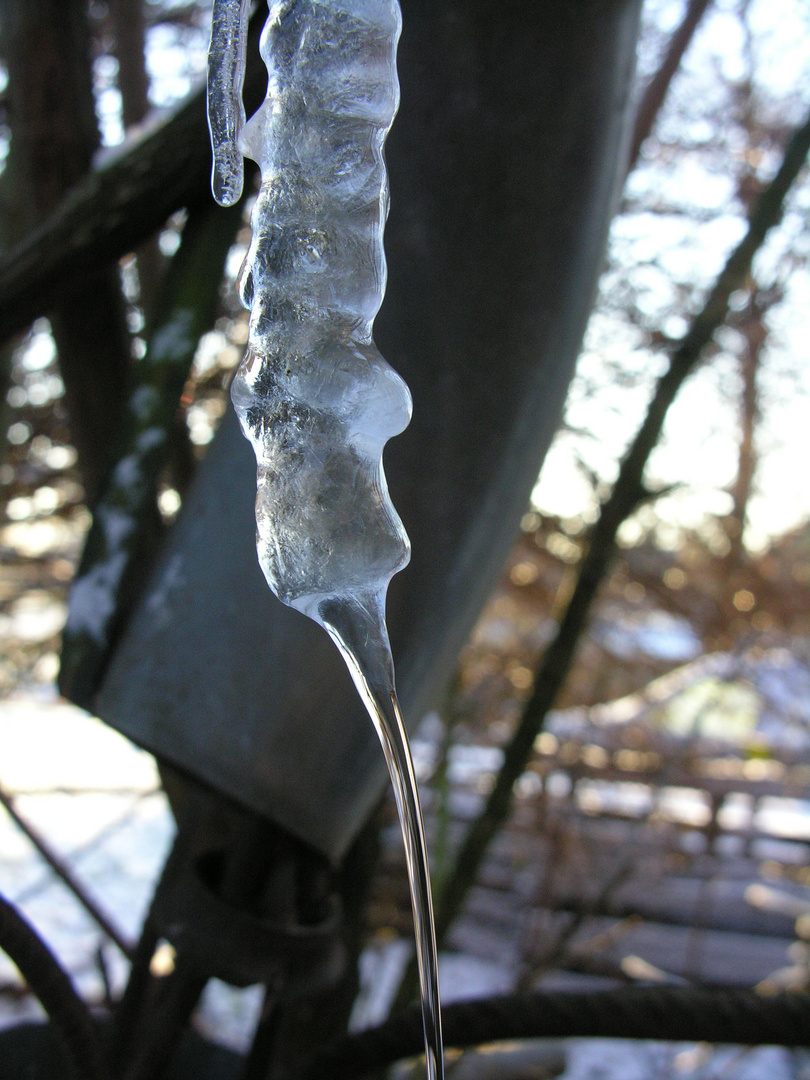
35	887
65	874
54	990
585	911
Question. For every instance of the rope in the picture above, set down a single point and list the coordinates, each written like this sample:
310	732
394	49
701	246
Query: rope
669	1013
54	990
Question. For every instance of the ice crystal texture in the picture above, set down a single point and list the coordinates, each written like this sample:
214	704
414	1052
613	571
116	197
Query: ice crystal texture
226	113
314	395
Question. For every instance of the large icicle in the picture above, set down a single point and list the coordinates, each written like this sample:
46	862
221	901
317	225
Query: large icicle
314	395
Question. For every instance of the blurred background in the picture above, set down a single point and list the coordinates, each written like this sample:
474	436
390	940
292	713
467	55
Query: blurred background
659	828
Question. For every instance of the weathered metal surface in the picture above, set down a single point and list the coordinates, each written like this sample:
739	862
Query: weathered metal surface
505	163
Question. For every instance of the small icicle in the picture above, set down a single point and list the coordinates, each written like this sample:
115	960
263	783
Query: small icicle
226	113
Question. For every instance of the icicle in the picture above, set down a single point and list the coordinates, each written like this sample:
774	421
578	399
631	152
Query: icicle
314	395
226	113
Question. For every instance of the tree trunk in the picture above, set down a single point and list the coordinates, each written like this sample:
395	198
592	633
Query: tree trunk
129	28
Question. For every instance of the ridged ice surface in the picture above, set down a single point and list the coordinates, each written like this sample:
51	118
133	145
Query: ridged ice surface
226	114
314	396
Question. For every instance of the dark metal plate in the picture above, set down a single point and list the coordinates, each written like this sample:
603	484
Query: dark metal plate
505	162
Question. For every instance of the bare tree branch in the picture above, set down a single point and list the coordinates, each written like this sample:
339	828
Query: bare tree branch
114	209
658	86
54	990
627	492
64	872
53	123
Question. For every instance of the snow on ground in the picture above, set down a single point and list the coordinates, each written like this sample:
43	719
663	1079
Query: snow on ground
96	799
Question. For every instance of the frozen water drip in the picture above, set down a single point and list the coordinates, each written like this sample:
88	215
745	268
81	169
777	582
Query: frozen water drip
314	395
226	113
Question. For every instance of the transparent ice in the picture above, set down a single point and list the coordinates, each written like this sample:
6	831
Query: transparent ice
314	395
226	113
